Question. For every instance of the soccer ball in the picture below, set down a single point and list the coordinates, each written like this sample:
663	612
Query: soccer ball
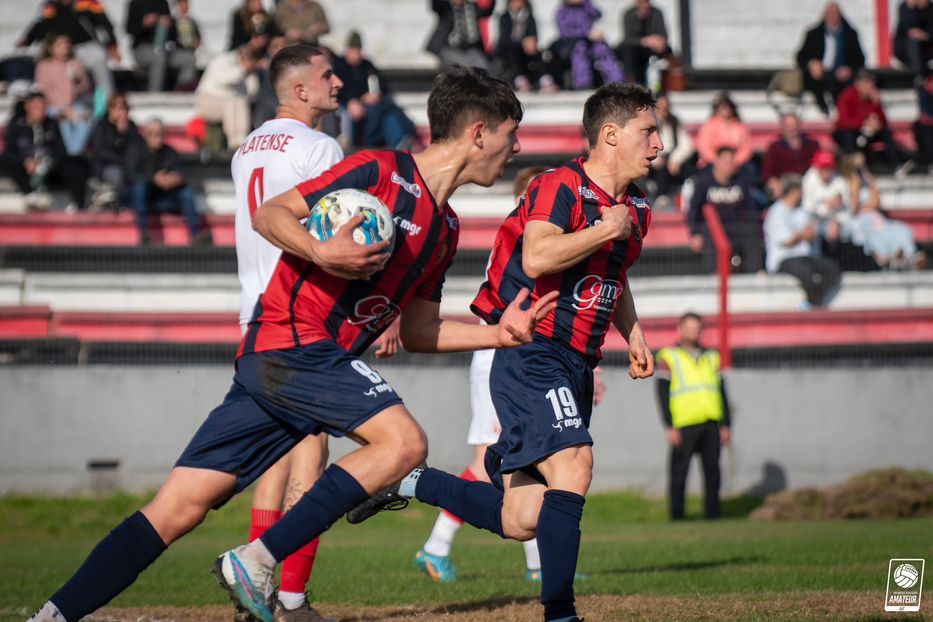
339	206
905	576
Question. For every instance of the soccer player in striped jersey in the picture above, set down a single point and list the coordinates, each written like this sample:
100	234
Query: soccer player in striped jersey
298	370
576	232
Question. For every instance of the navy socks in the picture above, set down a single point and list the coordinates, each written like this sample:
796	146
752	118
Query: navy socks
332	496
559	545
110	568
477	503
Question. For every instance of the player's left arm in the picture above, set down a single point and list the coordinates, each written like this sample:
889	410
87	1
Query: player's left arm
423	329
641	360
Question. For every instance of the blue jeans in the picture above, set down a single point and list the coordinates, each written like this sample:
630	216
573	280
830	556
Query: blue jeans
141	195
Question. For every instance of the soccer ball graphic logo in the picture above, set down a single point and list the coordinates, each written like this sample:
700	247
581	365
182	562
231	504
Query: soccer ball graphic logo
905	576
339	206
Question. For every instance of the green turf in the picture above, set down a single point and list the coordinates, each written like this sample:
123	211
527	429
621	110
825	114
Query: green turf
628	548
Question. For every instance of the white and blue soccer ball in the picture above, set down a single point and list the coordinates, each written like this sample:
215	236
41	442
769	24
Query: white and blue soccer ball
337	207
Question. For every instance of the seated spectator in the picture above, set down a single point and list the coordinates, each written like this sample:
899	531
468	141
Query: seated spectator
251	24
667	170
830	56
301	20
827	198
224	93
913	39
724	128
34	157
644	36
68	93
890	242
374	119
790	240
457	39
187	30
155	44
517	49
116	147
91	35
159	183
923	128
791	153
861	123
724	187
584	45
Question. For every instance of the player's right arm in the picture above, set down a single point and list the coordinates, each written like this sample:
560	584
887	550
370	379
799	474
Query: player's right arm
548	249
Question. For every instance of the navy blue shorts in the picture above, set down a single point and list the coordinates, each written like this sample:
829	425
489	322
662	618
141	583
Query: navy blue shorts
280	397
543	394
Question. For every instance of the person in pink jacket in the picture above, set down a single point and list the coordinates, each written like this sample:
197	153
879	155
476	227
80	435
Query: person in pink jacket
723	129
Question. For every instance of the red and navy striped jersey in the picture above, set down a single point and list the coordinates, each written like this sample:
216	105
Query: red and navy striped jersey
303	304
589	290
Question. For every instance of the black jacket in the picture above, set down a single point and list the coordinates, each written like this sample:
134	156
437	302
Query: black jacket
82	22
814	45
150	163
137	10
25	141
356	79
108	146
506	23
445	24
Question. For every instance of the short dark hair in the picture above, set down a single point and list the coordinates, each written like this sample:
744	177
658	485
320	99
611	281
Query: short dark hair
690	315
463	95
614	102
289	57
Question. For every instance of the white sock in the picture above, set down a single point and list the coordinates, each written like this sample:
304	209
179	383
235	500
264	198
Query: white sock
442	536
48	613
406	487
532	558
258	552
292	600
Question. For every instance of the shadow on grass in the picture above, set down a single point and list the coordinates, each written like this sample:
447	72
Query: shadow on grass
686	566
490	604
741	506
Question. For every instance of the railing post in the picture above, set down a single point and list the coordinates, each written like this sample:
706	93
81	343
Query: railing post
724	269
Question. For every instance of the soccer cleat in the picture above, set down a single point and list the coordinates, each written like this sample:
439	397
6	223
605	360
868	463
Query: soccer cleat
305	613
437	567
48	613
387	499
242	615
249	584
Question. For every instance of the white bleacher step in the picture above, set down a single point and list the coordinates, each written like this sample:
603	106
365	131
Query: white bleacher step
656	296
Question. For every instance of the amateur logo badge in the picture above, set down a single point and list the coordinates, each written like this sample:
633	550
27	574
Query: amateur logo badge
905	585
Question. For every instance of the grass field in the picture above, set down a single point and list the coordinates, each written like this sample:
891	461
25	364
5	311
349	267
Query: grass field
638	566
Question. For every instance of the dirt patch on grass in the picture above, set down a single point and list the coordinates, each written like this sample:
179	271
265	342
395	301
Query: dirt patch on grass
816	606
885	494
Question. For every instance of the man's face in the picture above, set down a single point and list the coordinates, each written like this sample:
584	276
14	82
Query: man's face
790	126
833	17
321	85
34	108
725	164
154	134
500	144
639	144
689	329
792	197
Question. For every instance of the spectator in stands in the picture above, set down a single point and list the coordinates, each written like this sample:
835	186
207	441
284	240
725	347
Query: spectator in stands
830	56
923	128
251	24
728	190
827	198
584	44
791	241
791	153
861	123
302	20
724	128
457	39
644	37
517	49
35	157
187	30
374	119
116	147
67	88
225	90
155	44
913	39
159	184
91	36
890	242
667	170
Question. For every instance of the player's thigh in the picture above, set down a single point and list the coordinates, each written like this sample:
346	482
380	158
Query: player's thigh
185	498
569	469
521	505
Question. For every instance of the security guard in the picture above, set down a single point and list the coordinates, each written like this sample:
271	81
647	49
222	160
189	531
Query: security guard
695	410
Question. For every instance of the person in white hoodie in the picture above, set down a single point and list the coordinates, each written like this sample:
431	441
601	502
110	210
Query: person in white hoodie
224	92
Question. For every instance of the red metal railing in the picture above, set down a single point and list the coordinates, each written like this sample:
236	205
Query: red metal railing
724	269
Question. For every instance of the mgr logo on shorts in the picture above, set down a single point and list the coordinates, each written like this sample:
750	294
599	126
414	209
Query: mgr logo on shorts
905	585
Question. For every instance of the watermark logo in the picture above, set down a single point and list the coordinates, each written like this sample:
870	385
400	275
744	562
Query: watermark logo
905	585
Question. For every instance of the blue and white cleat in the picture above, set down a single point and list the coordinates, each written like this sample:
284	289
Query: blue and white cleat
248	583
435	566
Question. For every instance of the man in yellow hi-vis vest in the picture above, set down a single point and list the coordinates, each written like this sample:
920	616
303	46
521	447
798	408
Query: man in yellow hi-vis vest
695	410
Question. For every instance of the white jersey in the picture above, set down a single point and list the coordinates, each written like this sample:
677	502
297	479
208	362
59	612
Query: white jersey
274	158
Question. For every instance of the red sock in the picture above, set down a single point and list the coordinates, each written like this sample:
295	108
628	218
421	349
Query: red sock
261	520
468	476
296	569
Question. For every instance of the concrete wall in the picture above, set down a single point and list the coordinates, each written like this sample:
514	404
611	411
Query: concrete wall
792	428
